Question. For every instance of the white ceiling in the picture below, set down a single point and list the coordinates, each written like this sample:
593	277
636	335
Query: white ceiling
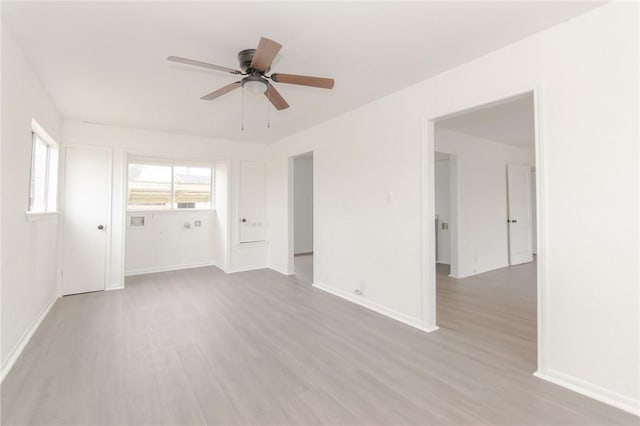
510	122
106	62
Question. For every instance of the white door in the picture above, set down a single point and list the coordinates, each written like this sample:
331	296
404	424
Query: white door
253	207
519	218
86	203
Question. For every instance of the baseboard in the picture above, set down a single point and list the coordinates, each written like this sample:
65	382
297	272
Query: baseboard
221	267
278	270
246	269
14	354
143	271
473	274
115	287
359	300
591	390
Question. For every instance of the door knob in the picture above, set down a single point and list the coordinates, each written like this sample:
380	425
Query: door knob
100	227
243	220
513	220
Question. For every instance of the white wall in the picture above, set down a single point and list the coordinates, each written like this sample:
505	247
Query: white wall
368	191
303	204
482	232
29	248
442	188
125	141
165	243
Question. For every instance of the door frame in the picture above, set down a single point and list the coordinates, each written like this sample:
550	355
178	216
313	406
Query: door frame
453	213
108	218
290	212
428	208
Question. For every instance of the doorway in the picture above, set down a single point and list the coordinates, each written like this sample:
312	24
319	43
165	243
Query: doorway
301	186
494	290
445	213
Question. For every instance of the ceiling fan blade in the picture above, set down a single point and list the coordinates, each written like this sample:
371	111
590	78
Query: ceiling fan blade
275	98
265	53
202	64
221	91
303	80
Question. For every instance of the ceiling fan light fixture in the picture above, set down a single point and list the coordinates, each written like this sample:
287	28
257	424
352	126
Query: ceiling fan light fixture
255	86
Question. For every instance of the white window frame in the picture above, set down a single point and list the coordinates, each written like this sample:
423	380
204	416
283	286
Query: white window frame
51	174
172	164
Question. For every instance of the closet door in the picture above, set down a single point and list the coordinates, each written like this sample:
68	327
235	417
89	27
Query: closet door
253	206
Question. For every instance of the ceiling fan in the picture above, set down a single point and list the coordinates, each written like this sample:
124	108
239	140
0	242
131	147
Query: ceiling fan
255	64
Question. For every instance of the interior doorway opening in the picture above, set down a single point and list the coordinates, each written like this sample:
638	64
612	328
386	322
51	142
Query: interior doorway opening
302	214
485	236
445	213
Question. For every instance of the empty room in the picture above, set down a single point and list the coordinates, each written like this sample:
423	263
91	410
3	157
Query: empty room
320	213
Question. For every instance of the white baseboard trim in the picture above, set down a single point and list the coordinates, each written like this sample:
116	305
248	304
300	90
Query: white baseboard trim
591	390
359	300
246	268
143	271
14	354
281	271
221	267
473	274
115	287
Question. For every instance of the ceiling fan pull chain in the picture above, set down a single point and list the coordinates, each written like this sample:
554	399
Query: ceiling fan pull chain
242	113
268	109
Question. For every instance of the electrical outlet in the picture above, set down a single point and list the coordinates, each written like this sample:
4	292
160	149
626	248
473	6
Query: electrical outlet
197	223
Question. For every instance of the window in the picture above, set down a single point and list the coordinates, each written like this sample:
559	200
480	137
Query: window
192	187
43	188
166	187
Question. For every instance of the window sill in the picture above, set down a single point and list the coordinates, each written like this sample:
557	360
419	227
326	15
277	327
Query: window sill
33	216
133	212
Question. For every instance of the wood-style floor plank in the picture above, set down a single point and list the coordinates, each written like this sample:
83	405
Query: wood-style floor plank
199	347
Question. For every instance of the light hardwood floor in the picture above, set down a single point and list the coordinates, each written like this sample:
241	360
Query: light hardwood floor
201	347
303	265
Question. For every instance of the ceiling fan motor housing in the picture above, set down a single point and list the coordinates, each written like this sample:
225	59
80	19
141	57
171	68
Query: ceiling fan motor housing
245	57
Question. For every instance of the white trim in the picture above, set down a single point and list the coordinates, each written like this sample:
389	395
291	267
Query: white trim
591	390
115	287
281	271
541	226
221	267
152	270
428	211
246	269
22	342
359	300
251	244
176	210
34	216
290	265
42	133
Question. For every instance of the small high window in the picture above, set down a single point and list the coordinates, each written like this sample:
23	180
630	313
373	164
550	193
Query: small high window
43	188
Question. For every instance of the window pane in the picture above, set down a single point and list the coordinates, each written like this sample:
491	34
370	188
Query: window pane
149	187
192	187
38	192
